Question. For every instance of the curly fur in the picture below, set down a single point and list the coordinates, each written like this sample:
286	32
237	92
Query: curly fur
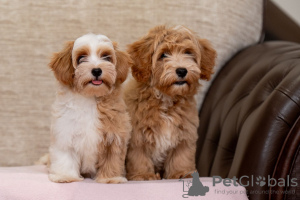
161	104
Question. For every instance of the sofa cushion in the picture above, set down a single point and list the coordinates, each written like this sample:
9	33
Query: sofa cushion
32	30
32	183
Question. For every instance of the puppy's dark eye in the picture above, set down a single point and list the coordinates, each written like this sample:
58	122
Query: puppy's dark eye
106	57
82	59
187	52
162	56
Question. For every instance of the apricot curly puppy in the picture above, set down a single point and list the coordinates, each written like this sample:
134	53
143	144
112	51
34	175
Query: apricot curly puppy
90	125
168	63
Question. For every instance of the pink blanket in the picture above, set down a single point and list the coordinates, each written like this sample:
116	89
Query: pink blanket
32	183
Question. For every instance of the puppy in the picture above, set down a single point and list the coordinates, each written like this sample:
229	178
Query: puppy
90	125
167	66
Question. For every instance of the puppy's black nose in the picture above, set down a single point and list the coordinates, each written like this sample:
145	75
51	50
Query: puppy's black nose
181	72
96	72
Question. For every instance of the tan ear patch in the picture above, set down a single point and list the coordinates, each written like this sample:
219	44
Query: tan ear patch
61	64
124	62
208	57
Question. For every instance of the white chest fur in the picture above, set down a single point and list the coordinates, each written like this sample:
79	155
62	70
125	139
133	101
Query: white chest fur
76	128
163	144
164	140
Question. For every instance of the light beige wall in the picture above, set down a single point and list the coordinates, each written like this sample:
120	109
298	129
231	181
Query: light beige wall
291	7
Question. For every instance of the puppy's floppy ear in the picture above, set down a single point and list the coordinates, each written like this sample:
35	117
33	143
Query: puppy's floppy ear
61	64
124	62
208	56
141	53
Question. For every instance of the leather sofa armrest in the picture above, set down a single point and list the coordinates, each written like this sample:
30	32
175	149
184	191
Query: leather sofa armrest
249	121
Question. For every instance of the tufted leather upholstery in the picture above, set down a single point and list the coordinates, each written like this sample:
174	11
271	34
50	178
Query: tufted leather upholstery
249	122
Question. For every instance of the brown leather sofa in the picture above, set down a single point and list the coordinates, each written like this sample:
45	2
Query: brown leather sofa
250	118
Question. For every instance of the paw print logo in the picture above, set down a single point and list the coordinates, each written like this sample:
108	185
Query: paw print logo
261	181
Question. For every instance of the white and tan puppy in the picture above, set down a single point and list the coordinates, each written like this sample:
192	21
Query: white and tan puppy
90	126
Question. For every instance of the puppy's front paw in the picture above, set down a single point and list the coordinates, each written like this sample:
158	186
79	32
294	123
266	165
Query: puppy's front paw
63	178
117	179
179	175
145	177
